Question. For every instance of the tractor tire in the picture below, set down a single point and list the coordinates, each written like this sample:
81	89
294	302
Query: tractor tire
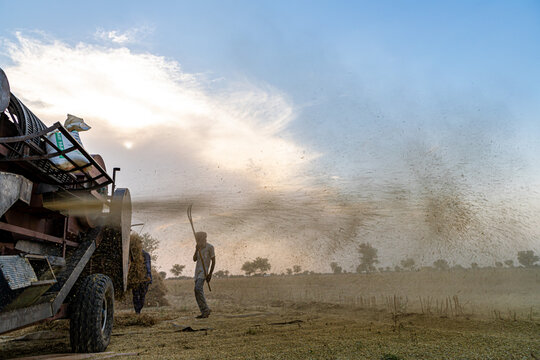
92	315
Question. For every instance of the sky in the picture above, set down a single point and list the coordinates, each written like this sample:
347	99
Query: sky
301	129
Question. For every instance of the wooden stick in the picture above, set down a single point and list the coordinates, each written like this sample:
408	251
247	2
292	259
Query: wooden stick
198	250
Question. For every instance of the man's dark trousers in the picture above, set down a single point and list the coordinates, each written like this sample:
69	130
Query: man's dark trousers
139	294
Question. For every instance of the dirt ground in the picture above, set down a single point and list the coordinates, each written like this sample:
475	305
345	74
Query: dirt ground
254	318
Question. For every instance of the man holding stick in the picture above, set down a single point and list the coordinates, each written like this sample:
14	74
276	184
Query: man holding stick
204	254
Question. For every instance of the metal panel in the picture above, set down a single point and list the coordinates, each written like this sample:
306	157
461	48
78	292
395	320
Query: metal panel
30	295
121	220
15	319
17	271
34	247
13	187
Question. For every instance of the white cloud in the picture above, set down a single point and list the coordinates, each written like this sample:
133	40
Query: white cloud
240	129
113	36
121	38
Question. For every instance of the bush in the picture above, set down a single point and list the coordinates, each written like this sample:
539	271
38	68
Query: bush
408	264
441	264
260	265
156	291
527	258
336	269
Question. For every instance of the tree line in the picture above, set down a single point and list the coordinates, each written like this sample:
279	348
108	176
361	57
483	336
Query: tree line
368	259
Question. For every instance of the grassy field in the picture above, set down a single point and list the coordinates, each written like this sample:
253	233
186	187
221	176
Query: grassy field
478	292
377	316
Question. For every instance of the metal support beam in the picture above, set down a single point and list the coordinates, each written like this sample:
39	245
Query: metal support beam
35	234
66	288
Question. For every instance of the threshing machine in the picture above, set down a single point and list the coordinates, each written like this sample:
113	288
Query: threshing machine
64	234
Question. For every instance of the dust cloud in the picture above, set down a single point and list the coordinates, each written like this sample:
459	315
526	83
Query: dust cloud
461	198
452	176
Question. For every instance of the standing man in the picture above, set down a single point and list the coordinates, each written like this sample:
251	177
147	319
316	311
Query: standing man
139	291
205	250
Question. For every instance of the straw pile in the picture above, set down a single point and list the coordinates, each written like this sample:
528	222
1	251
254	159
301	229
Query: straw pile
137	270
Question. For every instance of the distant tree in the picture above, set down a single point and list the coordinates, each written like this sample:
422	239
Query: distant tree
177	269
387	268
408	264
305	272
221	273
474	265
509	263
336	269
260	265
441	264
297	269
149	244
163	274
248	268
381	269
458	267
289	271
498	264
527	258
368	258
397	268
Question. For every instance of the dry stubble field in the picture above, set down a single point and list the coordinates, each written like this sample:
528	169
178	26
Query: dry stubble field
408	315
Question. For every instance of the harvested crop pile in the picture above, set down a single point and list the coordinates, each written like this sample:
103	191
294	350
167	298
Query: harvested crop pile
134	320
137	271
137	275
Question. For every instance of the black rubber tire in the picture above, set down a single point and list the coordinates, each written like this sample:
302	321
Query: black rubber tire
92	314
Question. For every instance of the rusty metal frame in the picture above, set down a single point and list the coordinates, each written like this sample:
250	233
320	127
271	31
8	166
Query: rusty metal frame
16	319
68	284
23	149
35	234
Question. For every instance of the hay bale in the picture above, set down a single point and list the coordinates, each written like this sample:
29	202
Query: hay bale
137	270
137	275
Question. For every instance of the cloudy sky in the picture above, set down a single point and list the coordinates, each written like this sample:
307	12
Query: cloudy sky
300	129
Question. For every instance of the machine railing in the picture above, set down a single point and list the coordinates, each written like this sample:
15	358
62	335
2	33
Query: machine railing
26	151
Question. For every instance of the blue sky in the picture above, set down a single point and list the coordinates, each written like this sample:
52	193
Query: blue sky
360	99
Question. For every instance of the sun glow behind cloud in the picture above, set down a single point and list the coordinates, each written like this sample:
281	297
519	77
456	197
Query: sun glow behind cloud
238	129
